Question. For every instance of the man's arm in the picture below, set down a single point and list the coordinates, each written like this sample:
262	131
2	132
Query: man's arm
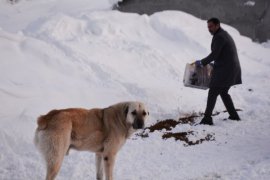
218	44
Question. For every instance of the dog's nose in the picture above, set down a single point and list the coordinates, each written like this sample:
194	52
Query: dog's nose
138	124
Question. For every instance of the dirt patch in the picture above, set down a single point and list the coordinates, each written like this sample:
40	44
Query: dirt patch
217	113
169	124
183	136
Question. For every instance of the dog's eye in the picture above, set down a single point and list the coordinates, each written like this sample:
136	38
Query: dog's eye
134	113
144	113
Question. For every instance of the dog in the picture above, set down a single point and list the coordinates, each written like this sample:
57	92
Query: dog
102	131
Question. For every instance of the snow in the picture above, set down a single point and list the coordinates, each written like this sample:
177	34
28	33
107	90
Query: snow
60	54
250	3
266	44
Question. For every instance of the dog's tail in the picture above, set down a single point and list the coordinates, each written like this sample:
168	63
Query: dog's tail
42	123
44	119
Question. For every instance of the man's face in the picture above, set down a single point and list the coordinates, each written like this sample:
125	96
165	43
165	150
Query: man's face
212	27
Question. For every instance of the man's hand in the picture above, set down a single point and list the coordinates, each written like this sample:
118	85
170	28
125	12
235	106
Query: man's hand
198	63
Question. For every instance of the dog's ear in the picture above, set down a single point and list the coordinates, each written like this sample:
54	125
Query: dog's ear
126	111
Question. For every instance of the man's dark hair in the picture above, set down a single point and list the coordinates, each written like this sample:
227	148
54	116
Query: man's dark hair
214	20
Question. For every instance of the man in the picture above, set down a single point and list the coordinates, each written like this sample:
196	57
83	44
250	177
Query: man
226	71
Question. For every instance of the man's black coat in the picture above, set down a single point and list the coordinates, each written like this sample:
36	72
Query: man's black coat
227	70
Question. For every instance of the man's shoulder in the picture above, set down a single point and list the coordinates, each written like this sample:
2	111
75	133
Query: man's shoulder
222	35
221	32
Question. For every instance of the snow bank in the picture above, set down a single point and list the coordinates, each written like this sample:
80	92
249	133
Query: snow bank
57	54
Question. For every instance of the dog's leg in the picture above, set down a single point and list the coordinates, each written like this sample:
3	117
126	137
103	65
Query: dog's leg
99	166
109	164
56	147
54	159
53	168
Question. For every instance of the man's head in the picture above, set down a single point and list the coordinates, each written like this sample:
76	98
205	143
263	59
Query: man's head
213	25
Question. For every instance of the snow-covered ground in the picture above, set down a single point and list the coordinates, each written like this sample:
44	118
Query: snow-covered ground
65	53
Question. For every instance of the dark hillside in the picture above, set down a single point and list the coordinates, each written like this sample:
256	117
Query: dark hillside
251	18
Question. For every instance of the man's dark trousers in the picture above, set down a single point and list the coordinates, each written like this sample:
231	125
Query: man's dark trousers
226	98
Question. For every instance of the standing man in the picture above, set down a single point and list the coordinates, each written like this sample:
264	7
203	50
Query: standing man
226	71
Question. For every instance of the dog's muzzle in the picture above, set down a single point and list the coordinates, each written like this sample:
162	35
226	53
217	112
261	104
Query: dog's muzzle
138	124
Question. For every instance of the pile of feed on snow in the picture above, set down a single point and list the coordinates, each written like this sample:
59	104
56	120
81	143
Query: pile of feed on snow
184	136
170	124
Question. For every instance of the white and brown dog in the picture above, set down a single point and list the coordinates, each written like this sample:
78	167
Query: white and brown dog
102	131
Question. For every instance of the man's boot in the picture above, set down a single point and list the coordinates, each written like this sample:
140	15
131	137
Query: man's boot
207	120
234	117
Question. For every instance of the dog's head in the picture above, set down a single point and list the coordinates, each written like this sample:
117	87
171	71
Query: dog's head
136	114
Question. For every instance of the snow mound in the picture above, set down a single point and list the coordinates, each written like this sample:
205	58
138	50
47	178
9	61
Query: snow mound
60	54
